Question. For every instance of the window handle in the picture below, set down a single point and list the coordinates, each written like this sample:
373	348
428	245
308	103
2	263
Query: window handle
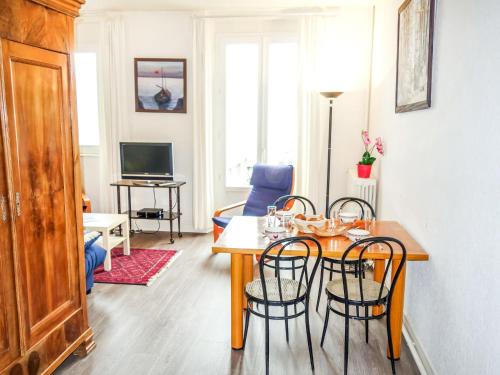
3	208
18	204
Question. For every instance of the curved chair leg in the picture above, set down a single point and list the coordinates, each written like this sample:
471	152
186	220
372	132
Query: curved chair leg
346	341
308	331
267	338
389	337
293	269
326	322
320	283
286	322
366	324
307	275
247	323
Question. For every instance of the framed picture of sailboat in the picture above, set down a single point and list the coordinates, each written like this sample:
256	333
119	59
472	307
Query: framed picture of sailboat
160	85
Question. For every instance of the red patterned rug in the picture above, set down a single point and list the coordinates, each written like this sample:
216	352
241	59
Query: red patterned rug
142	267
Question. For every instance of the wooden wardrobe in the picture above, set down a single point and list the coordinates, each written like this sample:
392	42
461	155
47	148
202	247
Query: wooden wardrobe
43	312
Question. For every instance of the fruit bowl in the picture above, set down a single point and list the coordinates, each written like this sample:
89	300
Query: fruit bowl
302	221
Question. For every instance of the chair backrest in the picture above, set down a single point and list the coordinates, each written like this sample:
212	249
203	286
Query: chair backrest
362	246
365	208
269	182
285	199
289	244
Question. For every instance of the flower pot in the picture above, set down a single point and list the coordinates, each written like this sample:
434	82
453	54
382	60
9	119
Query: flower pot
364	170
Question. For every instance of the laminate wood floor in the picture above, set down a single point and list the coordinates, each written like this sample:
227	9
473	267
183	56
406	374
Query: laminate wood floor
180	325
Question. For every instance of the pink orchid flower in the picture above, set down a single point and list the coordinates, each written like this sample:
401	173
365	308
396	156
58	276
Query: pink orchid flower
379	146
366	137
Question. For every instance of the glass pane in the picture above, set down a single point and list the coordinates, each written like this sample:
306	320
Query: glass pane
282	103
86	98
242	74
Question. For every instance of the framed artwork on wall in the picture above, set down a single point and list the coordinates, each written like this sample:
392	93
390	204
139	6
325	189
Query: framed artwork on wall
414	55
160	85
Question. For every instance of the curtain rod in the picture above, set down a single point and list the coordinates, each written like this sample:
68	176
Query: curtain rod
267	15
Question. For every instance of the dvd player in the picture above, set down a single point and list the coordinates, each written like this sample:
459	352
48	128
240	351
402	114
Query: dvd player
150	213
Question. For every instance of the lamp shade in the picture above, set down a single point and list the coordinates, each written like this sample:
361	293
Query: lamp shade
331	94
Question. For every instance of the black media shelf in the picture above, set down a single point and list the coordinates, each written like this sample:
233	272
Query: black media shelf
168	215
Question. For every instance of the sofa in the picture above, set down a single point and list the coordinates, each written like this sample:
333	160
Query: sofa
94	257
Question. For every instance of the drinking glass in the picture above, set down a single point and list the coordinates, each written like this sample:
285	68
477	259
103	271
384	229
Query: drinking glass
271	216
287	222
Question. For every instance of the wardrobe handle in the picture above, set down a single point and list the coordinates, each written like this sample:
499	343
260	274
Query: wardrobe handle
18	204
3	208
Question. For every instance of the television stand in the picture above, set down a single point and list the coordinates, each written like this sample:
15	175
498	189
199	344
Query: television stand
168	214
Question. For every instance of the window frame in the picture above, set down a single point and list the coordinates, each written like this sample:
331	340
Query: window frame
263	40
86	148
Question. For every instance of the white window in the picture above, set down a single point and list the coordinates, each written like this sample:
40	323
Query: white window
86	98
260	104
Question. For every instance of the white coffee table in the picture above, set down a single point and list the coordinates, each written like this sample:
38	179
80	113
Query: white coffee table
104	223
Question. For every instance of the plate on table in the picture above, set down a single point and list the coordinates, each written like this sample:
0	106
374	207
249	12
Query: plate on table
274	233
348	217
356	234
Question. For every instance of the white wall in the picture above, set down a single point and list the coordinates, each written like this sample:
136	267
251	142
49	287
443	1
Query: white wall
169	34
162	34
149	34
441	179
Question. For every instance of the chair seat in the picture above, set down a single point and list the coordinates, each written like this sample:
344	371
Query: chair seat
289	288
339	260
371	290
221	221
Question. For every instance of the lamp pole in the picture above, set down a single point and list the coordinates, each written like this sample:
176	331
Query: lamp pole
330	96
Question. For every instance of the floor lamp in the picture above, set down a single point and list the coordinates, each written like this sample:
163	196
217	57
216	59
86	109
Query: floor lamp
330	96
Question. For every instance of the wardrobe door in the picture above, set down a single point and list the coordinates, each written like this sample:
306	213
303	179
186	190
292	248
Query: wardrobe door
9	342
37	98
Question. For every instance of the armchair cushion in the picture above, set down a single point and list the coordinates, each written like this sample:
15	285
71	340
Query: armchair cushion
221	221
269	182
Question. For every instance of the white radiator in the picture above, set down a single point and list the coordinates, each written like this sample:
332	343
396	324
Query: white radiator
364	188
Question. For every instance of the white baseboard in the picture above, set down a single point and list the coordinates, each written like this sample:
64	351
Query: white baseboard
416	349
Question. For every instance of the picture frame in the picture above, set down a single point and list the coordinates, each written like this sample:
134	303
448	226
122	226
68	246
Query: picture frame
414	55
160	85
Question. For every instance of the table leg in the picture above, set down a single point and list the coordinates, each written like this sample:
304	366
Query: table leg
179	211
378	275
118	200
105	243
397	304
126	243
170	221
247	275
236	301
119	205
129	208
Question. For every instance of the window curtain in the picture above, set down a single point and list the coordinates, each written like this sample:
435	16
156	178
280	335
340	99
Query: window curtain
203	191
112	104
313	129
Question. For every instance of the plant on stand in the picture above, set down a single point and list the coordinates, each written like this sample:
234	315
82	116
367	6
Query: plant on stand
367	160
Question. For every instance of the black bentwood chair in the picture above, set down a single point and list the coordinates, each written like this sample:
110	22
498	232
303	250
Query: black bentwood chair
332	265
280	293
292	263
364	293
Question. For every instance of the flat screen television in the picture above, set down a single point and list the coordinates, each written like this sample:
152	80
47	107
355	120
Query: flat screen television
147	161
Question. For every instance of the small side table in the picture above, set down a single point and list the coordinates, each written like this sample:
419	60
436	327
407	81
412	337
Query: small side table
105	223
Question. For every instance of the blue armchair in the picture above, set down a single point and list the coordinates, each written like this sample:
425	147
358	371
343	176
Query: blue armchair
269	182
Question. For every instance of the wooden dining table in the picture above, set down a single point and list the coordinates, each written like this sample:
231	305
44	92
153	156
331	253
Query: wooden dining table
243	238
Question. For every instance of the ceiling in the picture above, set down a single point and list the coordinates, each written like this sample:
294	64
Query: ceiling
299	6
